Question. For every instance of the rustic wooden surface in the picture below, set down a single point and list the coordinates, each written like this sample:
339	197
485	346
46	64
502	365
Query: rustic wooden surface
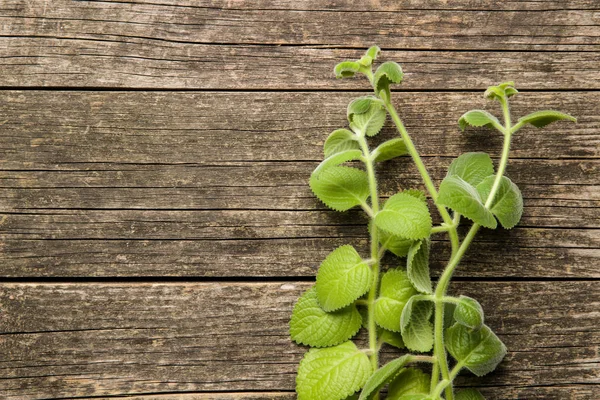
156	225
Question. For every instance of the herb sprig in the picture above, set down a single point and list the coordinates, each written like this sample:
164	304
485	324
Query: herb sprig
401	306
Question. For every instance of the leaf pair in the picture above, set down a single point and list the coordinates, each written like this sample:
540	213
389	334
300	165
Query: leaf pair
466	189
348	69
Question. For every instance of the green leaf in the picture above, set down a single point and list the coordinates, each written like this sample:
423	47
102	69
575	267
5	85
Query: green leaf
539	119
341	188
469	394
342	278
333	373
382	376
448	314
508	201
479	118
346	69
472	167
373	52
340	140
417	266
388	72
410	381
395	291
353	397
468	312
312	326
415	325
366	115
396	244
416	193
463	198
505	89
392	338
406	216
337	159
391	149
480	351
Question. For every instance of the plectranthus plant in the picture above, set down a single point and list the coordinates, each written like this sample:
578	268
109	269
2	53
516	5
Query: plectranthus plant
440	335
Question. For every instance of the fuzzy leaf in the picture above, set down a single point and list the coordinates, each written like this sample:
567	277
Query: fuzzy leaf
410	381
397	245
539	119
469	394
346	69
340	140
366	115
463	198
468	312
416	193
392	338
342	278
312	326
405	216
478	118
395	291
337	159
415	324
480	351
508	201
417	266
391	149
333	373
341	188
388	72
373	52
448	314
383	376
472	167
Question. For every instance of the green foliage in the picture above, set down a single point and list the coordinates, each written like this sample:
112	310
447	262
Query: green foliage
402	307
333	373
312	326
342	278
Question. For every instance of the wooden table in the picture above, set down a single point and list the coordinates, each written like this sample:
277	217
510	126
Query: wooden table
156	224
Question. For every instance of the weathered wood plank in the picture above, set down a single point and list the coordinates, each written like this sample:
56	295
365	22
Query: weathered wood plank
68	340
155	24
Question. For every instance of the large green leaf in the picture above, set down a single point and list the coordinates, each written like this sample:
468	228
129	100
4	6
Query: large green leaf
469	313
366	115
383	376
342	278
312	326
507	205
472	167
341	188
333	373
478	118
417	266
390	149
405	216
463	198
415	325
410	381
340	140
469	394
480	351
395	291
539	119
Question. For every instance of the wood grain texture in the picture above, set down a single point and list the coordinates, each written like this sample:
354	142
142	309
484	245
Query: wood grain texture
154	338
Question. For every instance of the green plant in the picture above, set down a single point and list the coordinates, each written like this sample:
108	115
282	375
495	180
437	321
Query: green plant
401	307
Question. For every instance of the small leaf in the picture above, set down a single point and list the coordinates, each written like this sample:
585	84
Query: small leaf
373	52
405	216
346	69
396	244
415	324
410	381
391	149
312	326
388	72
472	167
480	351
478	118
340	140
392	338
383	376
342	278
341	188
508	201
468	312
366	115
333	373
337	159
539	119
448	314
469	394
463	198
395	291
417	266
